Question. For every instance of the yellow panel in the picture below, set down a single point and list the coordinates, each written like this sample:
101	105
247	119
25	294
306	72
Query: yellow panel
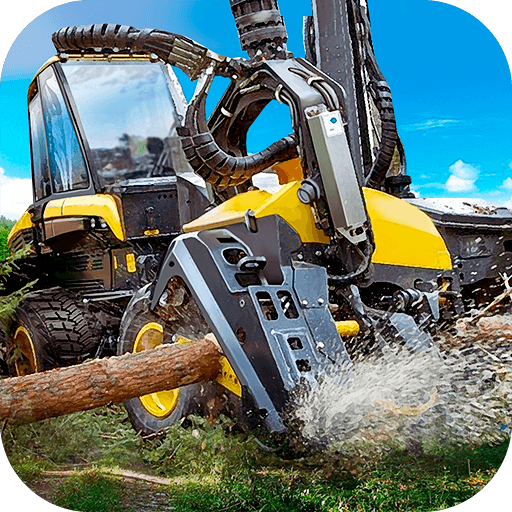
98	205
347	328
404	235
229	212
228	379
25	222
53	209
131	266
284	203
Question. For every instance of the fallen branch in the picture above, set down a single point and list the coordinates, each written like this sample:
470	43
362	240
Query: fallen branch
495	302
127	475
102	381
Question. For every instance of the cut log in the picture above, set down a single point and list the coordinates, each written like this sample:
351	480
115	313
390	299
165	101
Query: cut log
102	381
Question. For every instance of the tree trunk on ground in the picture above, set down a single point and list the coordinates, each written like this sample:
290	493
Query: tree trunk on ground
102	381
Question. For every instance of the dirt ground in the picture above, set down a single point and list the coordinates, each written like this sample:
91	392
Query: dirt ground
139	493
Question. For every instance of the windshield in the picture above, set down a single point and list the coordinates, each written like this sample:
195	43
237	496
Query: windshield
128	117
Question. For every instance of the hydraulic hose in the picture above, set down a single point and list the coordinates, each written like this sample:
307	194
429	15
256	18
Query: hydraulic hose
180	51
384	103
212	163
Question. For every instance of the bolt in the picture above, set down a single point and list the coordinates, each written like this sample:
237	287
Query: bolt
318	253
242	303
320	345
304	303
300	257
320	301
308	191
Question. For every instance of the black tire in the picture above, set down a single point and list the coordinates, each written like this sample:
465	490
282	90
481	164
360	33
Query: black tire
52	328
150	414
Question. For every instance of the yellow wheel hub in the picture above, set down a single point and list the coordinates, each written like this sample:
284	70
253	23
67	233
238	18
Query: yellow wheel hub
162	403
26	360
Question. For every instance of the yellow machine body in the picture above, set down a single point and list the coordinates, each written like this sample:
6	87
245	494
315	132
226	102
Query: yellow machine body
404	235
24	223
284	203
102	206
98	205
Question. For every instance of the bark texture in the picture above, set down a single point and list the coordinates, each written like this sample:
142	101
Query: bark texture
93	384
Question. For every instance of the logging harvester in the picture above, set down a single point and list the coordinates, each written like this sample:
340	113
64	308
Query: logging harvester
131	252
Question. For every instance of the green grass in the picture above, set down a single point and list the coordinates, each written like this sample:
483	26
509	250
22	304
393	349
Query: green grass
90	492
215	468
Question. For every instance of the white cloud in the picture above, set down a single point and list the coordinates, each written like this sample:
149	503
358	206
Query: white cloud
429	124
15	195
462	177
506	204
507	184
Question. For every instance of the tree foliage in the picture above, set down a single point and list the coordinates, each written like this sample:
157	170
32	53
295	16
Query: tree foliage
8	302
5	227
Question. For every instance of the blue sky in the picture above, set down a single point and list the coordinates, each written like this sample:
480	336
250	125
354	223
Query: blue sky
449	77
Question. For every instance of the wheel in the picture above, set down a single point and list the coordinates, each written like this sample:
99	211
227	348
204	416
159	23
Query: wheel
52	328
142	329
4	367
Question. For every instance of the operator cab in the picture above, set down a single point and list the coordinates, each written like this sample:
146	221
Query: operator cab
107	126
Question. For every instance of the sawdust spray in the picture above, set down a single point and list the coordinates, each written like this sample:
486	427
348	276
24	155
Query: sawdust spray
460	395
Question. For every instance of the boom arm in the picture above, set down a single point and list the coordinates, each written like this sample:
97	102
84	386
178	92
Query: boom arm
337	39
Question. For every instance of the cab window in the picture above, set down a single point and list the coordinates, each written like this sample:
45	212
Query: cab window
41	173
67	165
128	117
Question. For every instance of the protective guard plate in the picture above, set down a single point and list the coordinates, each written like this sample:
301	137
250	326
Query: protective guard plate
277	332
